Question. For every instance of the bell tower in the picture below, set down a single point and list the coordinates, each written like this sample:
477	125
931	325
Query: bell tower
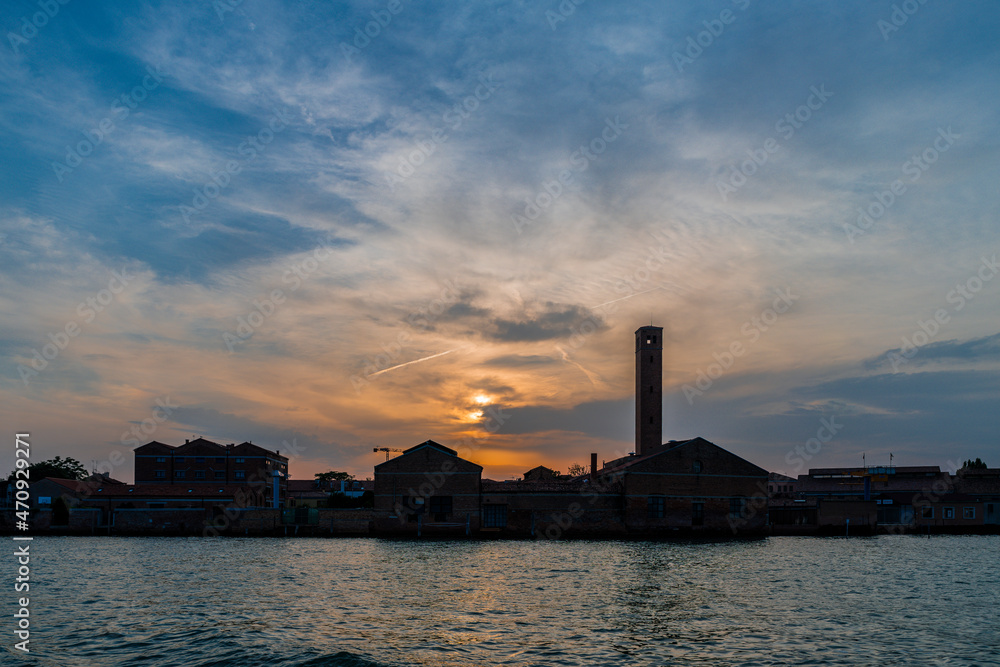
648	389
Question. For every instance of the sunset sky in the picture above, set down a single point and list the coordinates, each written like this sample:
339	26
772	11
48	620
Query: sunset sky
254	221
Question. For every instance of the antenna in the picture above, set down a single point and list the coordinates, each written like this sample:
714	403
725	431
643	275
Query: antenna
863	464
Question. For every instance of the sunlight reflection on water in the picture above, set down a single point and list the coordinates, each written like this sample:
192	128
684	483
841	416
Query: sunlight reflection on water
361	602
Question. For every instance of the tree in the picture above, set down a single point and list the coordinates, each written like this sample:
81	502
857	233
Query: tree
576	470
334	476
59	467
978	464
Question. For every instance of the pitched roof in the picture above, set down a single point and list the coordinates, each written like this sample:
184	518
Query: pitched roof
622	465
427	444
74	485
431	443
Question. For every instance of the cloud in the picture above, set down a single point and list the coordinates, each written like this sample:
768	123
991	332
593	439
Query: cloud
983	349
635	232
547	321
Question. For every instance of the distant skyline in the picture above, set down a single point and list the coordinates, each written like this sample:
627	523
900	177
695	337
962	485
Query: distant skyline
359	225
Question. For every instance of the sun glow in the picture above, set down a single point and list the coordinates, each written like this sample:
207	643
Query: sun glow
481	399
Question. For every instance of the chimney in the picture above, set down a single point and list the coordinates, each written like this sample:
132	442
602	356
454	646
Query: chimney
593	465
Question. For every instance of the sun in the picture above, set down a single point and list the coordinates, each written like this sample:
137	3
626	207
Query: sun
481	399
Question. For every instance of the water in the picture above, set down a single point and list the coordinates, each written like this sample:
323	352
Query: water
892	600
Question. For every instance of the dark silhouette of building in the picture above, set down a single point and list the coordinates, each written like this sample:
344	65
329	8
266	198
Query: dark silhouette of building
648	389
686	487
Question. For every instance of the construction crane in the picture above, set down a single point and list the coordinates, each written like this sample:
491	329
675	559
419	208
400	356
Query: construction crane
386	450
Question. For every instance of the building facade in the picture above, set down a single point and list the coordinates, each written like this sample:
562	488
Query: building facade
202	461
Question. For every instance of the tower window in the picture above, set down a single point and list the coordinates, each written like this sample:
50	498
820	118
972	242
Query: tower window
651	358
650	420
652	389
649	339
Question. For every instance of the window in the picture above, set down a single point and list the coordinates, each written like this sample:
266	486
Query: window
156	506
240	459
199	459
696	467
440	507
652	389
968	512
697	514
651	358
494	516
161	459
926	512
220	475
179	473
736	506
650	420
179	459
654	507
160	474
199	474
239	474
948	513
220	459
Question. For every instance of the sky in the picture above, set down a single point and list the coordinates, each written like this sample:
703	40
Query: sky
331	227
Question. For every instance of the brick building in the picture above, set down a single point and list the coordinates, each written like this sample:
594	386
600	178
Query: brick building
891	499
428	487
202	461
692	486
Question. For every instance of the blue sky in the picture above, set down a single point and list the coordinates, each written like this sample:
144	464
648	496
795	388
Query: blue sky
289	231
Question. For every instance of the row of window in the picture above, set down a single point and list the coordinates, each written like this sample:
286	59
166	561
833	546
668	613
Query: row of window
656	509
948	512
495	516
199	459
199	474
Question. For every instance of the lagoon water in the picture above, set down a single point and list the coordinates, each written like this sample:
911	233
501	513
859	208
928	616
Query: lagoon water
158	602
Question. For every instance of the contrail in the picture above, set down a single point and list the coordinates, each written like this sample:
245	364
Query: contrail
593	377
415	361
625	297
